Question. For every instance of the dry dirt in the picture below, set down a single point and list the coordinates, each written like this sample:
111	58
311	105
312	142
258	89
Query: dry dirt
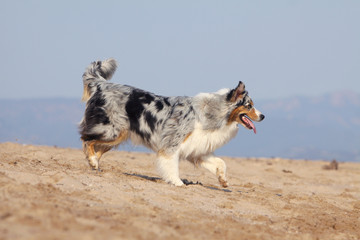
51	193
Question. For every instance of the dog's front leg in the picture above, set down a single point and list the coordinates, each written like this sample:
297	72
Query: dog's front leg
217	166
168	167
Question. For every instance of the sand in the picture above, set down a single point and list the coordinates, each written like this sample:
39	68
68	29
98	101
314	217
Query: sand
51	193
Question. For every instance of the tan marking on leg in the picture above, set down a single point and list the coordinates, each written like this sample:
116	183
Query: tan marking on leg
221	177
89	150
223	182
92	158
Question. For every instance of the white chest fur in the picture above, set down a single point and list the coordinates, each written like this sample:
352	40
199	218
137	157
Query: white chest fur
202	142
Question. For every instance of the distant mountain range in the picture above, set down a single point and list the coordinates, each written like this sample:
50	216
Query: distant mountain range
325	127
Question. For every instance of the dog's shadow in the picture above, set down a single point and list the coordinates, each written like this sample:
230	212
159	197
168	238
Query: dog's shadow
153	179
185	181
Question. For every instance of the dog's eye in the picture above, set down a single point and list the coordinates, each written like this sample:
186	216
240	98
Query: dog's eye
248	106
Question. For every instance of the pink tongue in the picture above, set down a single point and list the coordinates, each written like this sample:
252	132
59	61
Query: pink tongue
249	122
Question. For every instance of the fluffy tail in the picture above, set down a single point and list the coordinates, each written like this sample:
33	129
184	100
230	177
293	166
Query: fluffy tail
97	71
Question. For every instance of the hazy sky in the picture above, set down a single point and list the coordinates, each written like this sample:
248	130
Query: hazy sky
278	48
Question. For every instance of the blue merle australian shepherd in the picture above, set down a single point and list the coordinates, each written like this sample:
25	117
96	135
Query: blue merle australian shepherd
175	128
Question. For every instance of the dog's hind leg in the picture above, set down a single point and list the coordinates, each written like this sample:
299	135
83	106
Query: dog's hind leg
92	157
168	167
216	166
96	148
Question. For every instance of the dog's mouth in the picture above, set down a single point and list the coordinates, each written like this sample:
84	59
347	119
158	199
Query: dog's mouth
247	122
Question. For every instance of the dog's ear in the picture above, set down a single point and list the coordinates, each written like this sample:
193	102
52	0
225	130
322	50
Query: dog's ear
238	93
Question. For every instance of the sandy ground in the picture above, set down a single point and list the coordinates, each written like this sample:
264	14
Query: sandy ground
51	193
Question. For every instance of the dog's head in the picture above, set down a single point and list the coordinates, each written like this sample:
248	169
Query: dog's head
244	110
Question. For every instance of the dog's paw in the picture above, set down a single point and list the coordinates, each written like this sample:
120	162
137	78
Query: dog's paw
223	182
93	162
179	184
176	182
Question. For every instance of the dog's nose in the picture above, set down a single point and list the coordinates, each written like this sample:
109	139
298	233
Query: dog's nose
262	116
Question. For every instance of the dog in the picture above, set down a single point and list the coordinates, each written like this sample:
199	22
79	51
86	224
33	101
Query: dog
175	128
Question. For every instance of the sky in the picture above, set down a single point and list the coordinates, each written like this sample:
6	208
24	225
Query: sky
277	48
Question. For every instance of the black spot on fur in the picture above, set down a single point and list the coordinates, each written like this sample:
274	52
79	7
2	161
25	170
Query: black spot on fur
159	105
97	100
244	101
94	115
90	137
135	108
147	98
240	103
191	109
145	135
166	101
150	120
230	94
